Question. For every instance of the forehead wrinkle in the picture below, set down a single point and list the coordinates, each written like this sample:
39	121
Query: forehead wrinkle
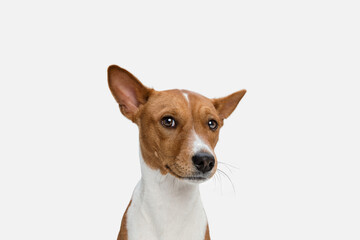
208	112
193	108
197	104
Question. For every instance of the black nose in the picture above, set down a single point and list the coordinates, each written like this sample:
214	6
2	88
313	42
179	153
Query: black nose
204	162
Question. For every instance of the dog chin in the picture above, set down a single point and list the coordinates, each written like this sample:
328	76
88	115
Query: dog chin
195	180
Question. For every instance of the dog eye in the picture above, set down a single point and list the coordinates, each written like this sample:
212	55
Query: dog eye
168	122
213	125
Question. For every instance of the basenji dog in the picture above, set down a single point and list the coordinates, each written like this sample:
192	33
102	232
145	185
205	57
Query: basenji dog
178	132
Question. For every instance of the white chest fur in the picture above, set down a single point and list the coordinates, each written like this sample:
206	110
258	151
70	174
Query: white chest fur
165	208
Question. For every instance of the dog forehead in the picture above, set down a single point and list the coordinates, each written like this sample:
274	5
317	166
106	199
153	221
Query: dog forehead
179	99
196	100
173	97
168	100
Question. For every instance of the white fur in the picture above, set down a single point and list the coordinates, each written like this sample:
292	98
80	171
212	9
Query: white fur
199	144
165	208
186	97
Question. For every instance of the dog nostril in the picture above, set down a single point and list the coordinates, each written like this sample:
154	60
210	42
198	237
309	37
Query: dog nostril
211	165
204	162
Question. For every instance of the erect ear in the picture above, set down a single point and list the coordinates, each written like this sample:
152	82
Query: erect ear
226	105
127	90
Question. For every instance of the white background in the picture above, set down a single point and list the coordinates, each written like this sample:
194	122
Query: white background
69	159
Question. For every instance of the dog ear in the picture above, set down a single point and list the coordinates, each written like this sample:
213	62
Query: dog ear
127	90
226	105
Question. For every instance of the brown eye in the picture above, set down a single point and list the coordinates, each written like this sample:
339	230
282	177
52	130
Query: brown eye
168	122
213	125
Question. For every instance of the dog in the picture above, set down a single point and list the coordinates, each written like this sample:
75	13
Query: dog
178	131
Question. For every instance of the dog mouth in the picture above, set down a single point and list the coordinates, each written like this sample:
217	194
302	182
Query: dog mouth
191	178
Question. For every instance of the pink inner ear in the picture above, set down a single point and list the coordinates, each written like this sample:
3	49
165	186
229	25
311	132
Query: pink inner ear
127	98
127	90
131	96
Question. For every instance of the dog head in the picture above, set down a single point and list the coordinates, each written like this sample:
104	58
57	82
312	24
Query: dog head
178	129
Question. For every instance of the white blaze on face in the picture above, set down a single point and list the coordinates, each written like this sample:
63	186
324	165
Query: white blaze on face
198	145
186	97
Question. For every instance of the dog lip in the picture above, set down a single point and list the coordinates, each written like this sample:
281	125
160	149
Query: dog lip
196	178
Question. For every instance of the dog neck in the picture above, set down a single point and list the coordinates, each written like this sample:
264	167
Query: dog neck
167	186
167	207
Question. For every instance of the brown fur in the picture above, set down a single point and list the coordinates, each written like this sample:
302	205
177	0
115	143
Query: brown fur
169	149
123	230
207	234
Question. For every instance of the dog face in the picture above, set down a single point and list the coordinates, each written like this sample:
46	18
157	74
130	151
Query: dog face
178	129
